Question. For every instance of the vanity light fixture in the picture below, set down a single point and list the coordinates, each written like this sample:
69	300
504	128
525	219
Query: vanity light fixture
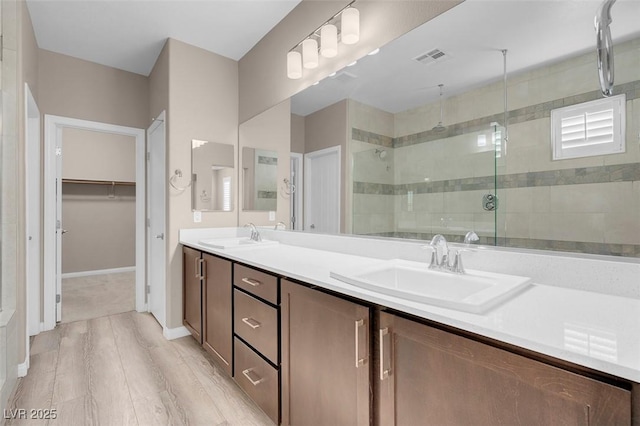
294	65
323	41
350	26
310	53
329	41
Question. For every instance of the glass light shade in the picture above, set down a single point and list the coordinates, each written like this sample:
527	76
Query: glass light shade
350	26
329	41
310	53
294	65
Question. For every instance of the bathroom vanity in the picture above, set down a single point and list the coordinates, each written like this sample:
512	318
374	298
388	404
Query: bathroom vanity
310	349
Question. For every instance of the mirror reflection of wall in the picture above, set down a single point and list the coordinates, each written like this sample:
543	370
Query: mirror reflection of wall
259	179
213	171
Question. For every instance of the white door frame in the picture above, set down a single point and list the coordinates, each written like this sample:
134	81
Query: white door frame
53	126
157	291
307	181
298	199
33	215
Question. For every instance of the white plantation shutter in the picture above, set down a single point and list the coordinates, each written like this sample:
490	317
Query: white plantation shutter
588	129
226	194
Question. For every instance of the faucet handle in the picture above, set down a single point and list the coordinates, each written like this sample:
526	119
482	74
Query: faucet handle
433	264
471	237
457	267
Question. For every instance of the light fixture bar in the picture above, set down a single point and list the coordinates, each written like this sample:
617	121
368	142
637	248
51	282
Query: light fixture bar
316	32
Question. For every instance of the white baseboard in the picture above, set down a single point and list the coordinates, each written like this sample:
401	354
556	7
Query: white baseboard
23	369
175	333
99	272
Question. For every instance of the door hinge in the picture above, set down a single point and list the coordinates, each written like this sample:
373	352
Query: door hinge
148	289
57	298
1	47
148	156
148	222
58	151
58	224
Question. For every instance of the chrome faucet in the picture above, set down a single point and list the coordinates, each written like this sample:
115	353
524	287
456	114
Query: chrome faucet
255	235
471	237
440	262
438	243
280	225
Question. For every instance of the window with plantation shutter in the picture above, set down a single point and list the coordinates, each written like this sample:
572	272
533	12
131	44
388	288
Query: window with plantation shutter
588	129
226	194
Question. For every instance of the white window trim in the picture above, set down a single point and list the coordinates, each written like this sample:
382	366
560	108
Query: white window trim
617	146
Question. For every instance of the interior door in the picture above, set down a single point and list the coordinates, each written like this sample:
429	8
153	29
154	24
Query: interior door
296	192
59	229
33	211
322	190
156	226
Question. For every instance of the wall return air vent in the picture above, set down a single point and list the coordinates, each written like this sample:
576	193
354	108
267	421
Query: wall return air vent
432	56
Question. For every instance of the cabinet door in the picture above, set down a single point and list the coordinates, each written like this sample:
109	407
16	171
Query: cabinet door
217	338
428	376
192	292
325	359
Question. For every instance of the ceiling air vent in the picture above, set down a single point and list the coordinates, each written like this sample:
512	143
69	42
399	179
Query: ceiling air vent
431	57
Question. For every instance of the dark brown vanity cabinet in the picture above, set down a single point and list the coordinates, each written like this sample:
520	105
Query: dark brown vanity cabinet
217	308
206	303
425	375
256	325
325	359
192	292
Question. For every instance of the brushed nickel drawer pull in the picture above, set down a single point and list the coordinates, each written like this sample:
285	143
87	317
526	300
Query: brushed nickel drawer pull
359	361
197	267
384	373
248	373
252	282
251	322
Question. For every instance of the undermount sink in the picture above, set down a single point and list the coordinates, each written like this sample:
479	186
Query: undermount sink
237	242
474	291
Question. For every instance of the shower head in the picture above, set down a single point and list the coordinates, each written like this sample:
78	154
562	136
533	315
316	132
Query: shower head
440	128
381	153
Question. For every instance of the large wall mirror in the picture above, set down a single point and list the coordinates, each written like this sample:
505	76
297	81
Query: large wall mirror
439	142
213	173
259	179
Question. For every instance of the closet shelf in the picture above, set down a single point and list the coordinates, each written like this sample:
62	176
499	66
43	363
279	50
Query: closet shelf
98	182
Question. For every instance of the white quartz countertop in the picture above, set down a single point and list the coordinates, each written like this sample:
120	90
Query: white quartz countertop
595	330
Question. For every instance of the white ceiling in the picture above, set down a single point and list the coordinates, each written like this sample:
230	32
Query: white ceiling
129	34
473	33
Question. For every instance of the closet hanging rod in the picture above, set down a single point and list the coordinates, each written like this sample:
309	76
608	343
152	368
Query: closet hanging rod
98	182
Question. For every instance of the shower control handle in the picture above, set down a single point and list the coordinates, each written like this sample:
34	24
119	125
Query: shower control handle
489	202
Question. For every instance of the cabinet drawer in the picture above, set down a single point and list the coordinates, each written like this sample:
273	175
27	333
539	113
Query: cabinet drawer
257	323
257	378
255	282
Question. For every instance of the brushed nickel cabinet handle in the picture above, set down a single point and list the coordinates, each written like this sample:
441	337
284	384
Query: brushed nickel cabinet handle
197	267
251	322
384	373
203	264
248	373
251	282
359	361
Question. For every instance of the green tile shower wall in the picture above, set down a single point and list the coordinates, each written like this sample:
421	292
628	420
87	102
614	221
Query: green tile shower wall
525	123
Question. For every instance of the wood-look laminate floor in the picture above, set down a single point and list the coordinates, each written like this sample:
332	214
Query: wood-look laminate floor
120	370
98	295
